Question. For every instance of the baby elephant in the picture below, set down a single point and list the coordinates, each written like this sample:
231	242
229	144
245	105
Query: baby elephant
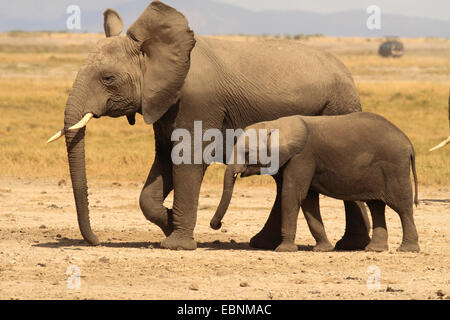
355	157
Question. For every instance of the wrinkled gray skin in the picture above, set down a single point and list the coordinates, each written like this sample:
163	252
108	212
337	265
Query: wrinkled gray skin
360	156
171	77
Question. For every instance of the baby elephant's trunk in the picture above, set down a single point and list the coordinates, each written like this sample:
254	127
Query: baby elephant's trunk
228	185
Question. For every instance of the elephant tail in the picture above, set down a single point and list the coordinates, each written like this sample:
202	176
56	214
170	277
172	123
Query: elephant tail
413	166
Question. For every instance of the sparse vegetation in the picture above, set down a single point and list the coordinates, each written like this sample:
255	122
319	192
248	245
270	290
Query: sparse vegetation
36	77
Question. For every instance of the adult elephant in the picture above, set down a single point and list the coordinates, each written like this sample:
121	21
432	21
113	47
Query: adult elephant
173	78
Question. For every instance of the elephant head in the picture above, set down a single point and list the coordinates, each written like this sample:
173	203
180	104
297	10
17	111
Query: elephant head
290	139
447	141
140	72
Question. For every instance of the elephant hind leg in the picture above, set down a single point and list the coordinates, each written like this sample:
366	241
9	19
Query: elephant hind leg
269	237
410	241
401	201
379	240
356	236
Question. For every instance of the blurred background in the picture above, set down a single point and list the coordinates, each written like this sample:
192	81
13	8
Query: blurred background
44	43
405	18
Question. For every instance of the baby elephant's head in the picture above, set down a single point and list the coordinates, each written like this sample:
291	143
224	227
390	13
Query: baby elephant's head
262	148
256	151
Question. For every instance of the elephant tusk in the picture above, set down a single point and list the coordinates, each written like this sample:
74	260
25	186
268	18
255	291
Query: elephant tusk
57	135
83	122
442	144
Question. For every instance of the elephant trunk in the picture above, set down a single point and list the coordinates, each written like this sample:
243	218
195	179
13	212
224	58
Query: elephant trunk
228	185
77	166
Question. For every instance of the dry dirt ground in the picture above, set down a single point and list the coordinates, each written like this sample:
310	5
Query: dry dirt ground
39	240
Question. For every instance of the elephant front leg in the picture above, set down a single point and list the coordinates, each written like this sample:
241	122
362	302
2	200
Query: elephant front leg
187	180
290	205
269	237
356	236
156	188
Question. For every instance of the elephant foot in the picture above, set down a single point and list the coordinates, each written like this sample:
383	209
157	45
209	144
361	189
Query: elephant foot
287	247
178	242
409	247
265	241
352	242
164	222
377	246
167	229
323	247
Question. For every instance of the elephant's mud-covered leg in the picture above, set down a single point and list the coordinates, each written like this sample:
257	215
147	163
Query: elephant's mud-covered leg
157	187
356	236
311	210
187	180
379	240
270	236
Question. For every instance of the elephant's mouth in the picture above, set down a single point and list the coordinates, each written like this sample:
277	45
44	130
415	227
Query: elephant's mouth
118	109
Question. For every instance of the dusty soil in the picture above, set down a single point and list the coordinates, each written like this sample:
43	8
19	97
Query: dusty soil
39	240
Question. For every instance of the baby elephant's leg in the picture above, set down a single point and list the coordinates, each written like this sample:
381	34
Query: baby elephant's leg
401	201
290	206
379	240
311	210
297	177
410	241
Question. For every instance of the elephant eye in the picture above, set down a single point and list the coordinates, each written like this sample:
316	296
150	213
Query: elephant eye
108	78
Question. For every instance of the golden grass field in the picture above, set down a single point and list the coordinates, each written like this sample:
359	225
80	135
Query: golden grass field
37	71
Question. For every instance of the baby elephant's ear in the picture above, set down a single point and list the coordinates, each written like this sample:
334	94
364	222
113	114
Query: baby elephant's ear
292	138
113	23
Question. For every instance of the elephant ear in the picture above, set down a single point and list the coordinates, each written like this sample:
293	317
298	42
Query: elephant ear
166	41
113	23
292	137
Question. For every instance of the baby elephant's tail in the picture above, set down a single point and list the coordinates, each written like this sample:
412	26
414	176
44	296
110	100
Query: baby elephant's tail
413	166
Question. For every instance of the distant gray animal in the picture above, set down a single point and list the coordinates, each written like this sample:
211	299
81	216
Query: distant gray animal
391	48
355	157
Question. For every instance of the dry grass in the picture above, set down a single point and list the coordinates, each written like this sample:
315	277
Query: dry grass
36	73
